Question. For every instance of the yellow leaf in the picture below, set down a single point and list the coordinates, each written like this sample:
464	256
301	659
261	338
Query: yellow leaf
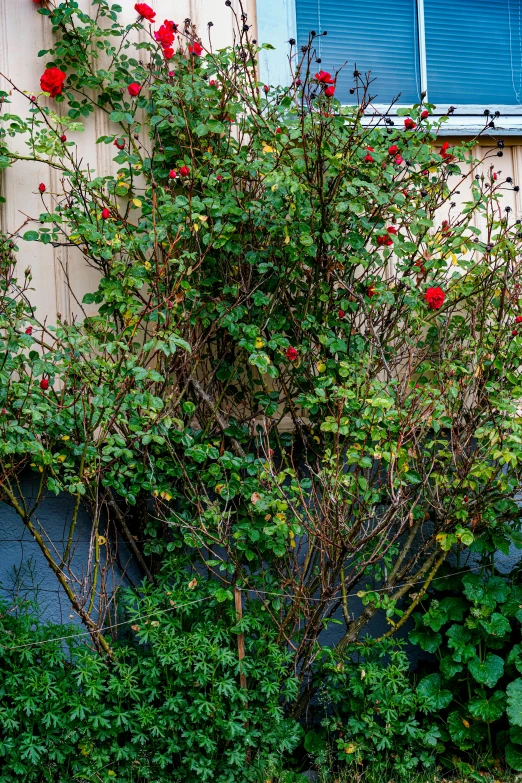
219	488
454	259
255	497
287	240
267	148
350	748
62	457
137	202
147	264
259	343
196	226
192	584
321	366
203	218
465	722
102	540
292	544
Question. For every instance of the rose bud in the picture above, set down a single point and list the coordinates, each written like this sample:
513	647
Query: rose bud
44	384
41	187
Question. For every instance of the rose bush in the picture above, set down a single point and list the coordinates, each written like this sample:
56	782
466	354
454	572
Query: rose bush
217	409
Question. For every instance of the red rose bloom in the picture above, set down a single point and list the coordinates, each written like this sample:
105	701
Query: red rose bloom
368	158
168	53
324	77
399	159
106	213
44	384
42	188
291	353
133	89
409	124
393	150
165	34
386	238
444	152
196	49
341	313
425	114
184	171
29	330
145	11
173	174
266	88
434	298
52	81
514	332
219	177
518	319
330	92
120	143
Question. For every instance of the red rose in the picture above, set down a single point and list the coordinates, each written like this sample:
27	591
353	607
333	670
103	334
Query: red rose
219	177
42	188
330	92
368	158
444	152
133	89
409	124
399	159
291	354
393	150
168	53
266	88
145	11
324	77
434	298
184	171
63	137
341	313
370	149
106	213
425	114
514	332
197	50
29	330
52	81
120	143
44	384
213	83
173	174
518	319
370	291
386	239
165	34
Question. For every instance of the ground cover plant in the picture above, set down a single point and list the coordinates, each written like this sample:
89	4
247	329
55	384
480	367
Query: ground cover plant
296	395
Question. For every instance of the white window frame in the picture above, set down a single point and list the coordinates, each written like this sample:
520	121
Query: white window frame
277	23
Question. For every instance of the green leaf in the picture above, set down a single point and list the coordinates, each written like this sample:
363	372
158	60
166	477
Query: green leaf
488	709
435	697
514	757
31	236
487	672
514	702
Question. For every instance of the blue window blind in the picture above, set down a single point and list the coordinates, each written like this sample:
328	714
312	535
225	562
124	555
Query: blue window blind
474	51
377	35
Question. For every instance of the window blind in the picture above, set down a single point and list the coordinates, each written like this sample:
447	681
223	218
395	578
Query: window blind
377	35
474	51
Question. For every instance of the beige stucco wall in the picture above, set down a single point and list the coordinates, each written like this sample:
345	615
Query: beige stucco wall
23	32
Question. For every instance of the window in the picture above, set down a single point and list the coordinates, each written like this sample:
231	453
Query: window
465	53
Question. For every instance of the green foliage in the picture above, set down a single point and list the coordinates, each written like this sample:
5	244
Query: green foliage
479	659
374	715
291	375
170	706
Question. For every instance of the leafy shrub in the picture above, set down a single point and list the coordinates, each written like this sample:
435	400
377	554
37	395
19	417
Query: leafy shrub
374	715
472	624
266	257
169	707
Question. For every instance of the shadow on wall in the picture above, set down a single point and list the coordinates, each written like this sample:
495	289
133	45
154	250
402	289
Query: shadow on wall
26	575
